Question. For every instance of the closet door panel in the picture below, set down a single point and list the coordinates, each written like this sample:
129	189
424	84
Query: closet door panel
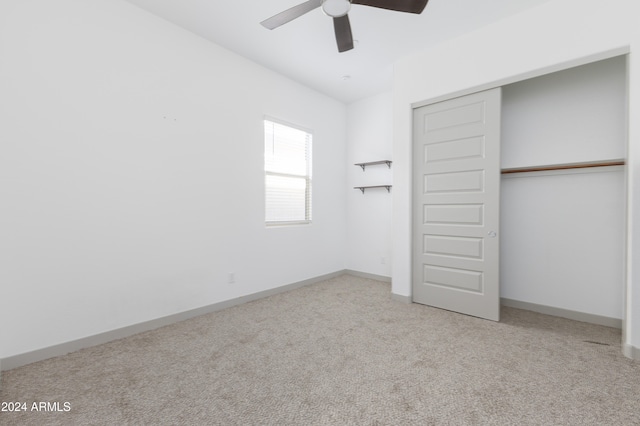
456	205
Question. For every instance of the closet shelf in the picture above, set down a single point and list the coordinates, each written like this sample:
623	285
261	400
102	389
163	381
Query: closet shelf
374	163
362	188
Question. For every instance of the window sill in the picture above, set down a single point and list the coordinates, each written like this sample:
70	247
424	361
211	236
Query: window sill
291	223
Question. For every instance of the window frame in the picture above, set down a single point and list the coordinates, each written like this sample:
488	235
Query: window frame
308	176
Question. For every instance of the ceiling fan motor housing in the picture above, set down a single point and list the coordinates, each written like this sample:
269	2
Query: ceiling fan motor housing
336	8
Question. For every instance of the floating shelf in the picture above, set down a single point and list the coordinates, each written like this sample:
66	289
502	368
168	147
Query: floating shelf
362	188
374	163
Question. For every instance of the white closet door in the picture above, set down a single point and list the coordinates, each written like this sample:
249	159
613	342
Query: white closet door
456	204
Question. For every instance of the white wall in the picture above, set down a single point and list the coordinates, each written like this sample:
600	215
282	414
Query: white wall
562	240
571	116
563	233
370	133
556	35
131	173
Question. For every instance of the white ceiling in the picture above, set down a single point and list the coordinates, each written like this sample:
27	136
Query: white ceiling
305	49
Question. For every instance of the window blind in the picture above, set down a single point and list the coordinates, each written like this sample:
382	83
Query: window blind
287	165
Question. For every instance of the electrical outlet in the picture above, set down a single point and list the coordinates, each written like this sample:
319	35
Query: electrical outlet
383	260
231	278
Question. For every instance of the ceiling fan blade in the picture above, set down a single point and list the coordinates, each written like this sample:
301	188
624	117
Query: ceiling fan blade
342	28
291	14
409	6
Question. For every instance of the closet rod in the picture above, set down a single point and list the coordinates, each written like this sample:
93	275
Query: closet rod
563	167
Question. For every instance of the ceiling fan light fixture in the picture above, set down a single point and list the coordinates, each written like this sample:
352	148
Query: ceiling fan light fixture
336	8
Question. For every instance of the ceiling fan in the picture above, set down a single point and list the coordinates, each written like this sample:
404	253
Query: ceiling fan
338	10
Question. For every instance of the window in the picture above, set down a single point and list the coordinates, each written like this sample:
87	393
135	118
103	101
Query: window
287	168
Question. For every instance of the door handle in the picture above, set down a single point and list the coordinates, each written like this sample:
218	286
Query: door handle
492	234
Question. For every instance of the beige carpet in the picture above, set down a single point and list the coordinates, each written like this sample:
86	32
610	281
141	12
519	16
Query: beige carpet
340	353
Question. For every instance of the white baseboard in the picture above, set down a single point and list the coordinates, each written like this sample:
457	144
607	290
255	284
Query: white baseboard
543	309
19	360
368	275
631	352
563	313
401	298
